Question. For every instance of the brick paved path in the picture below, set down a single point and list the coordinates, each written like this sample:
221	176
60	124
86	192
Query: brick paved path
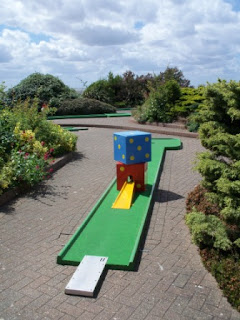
171	282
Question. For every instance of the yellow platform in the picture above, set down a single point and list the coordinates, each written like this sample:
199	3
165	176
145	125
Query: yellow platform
124	198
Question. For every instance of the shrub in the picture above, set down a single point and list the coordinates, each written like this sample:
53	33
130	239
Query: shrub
158	106
220	166
192	122
84	106
219	118
119	91
198	199
47	88
226	270
27	143
99	90
190	100
208	231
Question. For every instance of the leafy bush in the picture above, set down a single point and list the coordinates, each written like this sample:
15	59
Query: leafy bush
130	90
159	104
219	235
192	123
27	143
226	270
47	88
119	91
190	100
99	90
220	166
84	106
208	231
197	199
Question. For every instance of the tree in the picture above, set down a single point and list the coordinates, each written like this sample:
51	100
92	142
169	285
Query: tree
99	90
2	95
173	74
49	90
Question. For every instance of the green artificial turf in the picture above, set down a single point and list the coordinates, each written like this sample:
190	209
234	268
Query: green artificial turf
104	115
74	128
115	233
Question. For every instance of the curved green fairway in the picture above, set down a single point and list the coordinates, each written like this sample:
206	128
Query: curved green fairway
115	233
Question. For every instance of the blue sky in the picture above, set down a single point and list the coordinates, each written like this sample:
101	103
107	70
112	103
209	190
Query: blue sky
82	40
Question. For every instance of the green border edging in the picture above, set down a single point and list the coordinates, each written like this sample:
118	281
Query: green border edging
74	128
110	226
104	115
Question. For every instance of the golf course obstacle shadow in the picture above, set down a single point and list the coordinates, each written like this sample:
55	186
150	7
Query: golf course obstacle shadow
113	233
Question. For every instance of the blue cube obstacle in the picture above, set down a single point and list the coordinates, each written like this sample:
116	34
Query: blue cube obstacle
132	147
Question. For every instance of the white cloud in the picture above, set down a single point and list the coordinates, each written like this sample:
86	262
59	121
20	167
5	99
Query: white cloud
87	39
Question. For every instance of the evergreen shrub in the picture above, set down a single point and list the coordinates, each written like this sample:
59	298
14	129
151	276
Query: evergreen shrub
84	106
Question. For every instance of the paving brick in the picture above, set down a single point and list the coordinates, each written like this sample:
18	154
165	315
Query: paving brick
124	313
181	280
70	310
197	301
171	282
87	316
161	308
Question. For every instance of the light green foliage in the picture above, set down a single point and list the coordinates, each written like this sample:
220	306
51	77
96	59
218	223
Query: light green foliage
220	166
189	101
208	230
27	142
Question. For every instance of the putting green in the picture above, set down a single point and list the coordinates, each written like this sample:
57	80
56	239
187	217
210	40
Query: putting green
115	233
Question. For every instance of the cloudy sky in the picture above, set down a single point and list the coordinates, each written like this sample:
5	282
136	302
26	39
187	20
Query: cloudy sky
82	40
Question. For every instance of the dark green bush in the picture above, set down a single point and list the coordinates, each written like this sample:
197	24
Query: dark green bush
159	104
47	88
130	90
197	199
99	90
120	91
84	106
226	269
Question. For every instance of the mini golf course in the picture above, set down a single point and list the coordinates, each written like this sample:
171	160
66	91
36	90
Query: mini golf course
116	233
